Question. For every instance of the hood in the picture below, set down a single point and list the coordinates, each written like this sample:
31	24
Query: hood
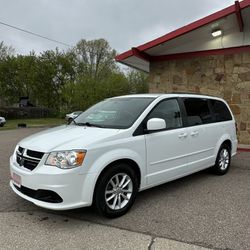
67	137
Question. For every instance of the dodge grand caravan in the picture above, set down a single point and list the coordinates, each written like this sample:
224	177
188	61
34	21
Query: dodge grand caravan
123	145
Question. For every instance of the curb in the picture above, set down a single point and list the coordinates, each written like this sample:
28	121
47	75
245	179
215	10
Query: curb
243	148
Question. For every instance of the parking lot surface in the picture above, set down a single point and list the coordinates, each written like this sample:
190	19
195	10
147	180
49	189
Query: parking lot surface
201	210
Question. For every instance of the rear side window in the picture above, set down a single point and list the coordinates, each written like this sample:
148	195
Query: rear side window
197	111
221	112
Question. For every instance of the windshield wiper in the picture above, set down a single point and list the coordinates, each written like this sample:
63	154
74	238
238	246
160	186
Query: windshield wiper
88	124
72	120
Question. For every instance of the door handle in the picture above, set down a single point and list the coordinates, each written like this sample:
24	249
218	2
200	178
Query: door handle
182	135
194	133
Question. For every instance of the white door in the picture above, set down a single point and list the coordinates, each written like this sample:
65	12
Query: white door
166	150
202	133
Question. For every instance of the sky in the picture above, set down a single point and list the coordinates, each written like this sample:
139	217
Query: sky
124	24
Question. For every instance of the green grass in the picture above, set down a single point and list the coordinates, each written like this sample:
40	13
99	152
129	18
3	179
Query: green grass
32	123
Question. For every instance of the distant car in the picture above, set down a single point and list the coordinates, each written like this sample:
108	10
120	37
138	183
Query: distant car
2	121
72	116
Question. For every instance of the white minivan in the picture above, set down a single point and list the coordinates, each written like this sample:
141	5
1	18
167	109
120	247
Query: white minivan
123	145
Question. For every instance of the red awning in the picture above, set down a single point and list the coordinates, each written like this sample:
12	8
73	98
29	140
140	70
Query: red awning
196	39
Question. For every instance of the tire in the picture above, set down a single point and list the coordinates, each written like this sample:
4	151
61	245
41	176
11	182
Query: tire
1	124
223	160
116	190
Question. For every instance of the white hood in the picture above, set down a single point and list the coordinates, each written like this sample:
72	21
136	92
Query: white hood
67	137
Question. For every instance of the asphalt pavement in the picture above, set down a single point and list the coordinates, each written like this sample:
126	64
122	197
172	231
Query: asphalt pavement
195	212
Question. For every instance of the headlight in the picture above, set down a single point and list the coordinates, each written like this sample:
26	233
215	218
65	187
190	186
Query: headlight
66	159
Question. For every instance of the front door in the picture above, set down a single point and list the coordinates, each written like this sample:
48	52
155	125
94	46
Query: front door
166	150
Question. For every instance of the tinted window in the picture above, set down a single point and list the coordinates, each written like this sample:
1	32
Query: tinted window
169	111
197	111
117	113
221	112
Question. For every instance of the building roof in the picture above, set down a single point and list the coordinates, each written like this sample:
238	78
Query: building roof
195	39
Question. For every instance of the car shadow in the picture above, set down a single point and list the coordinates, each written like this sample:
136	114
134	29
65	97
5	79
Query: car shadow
154	194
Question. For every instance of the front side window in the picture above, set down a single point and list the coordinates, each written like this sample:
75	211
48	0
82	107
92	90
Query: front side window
197	111
119	113
169	111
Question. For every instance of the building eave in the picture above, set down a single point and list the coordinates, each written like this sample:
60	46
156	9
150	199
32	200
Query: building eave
141	51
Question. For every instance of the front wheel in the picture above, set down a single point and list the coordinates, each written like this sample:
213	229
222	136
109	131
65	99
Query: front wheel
223	160
116	190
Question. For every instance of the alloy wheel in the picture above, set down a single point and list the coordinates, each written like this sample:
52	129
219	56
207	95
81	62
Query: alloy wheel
118	191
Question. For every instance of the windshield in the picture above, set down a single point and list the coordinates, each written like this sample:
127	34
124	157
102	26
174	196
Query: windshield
117	113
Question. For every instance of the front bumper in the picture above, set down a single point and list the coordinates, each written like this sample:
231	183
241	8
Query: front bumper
75	189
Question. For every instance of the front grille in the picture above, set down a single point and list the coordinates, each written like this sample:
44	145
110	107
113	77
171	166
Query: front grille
34	154
28	158
20	149
40	194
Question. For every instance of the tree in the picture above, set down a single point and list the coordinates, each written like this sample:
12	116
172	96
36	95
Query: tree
17	77
5	51
54	70
9	85
85	92
95	58
67	80
137	81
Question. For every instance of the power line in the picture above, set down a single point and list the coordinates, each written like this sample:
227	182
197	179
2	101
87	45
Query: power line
35	34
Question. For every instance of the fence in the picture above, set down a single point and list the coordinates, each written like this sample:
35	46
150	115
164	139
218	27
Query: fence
25	112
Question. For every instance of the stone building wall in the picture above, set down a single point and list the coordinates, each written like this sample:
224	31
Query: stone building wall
226	76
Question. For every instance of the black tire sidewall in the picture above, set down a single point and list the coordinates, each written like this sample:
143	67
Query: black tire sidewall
216	168
99	196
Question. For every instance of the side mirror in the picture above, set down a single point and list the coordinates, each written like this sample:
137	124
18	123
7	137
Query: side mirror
156	124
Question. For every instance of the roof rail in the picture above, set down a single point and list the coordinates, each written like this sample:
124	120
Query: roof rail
189	93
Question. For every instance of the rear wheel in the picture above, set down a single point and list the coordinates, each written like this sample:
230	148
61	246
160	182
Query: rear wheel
223	160
116	190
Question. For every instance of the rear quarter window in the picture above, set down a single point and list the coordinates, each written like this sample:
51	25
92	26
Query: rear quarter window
221	111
